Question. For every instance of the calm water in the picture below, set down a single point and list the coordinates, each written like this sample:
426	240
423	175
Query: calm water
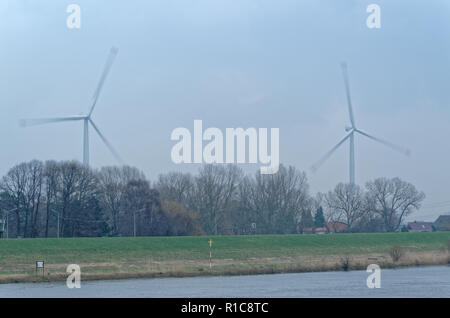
431	281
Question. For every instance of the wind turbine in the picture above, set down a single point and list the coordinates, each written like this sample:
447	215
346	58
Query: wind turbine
351	131
85	118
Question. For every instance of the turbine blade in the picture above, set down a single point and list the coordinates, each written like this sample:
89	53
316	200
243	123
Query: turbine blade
107	67
329	153
347	90
107	143
400	149
41	121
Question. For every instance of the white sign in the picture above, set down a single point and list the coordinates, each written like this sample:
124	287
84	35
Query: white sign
40	264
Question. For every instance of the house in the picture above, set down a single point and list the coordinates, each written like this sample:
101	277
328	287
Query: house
315	230
420	226
336	227
320	230
442	223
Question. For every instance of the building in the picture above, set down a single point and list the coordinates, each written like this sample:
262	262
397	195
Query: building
442	223
420	226
315	230
336	227
320	230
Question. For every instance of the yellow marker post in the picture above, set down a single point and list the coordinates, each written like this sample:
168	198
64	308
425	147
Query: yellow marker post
210	253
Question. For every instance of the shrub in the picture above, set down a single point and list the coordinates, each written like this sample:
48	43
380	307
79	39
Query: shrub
182	221
396	252
447	247
345	262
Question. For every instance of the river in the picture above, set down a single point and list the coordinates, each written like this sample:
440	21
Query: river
427	281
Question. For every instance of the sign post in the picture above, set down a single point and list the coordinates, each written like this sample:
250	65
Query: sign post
39	265
210	253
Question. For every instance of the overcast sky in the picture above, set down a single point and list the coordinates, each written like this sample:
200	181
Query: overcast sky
234	63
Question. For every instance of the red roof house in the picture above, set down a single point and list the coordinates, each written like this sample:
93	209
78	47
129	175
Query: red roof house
320	230
336	227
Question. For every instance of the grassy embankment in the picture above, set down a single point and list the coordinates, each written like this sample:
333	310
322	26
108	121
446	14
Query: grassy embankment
106	258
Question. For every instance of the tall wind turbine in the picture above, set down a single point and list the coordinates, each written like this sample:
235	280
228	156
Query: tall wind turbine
351	131
85	118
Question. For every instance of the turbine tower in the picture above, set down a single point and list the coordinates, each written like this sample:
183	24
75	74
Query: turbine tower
87	119
351	131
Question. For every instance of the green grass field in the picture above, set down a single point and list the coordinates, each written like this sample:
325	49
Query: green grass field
179	256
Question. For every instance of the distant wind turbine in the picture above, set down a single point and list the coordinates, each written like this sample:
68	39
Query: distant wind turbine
351	135
85	118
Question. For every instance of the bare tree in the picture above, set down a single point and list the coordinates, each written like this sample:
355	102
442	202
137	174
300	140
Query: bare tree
278	201
14	184
245	217
176	187
393	200
87	191
142	212
346	203
112	181
23	186
33	195
318	201
52	186
78	186
215	187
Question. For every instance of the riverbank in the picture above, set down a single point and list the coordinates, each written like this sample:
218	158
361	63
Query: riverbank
147	257
411	282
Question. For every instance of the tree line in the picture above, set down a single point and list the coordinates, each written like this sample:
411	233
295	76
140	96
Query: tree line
68	199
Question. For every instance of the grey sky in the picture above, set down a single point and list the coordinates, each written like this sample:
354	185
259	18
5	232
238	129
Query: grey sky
254	63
